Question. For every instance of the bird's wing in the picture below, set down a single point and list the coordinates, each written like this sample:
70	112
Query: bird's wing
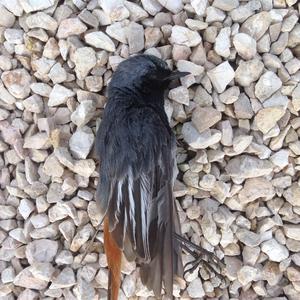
137	154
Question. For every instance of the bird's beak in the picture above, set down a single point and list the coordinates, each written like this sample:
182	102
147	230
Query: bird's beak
176	74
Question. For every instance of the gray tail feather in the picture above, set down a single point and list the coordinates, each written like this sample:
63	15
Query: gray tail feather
167	261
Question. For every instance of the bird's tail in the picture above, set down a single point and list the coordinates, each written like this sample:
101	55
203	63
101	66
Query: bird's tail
114	256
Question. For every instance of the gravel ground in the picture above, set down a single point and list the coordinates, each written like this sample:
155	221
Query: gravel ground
236	117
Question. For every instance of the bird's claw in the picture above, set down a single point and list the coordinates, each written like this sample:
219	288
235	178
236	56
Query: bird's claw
201	257
194	264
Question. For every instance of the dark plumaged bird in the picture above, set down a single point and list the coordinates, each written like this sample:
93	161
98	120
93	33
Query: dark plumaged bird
136	147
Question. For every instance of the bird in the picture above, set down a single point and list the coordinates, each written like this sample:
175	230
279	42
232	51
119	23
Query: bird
136	148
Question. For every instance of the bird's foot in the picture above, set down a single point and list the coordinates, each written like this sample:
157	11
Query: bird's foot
202	257
182	144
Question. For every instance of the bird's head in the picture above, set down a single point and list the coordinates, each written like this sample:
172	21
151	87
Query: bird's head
144	75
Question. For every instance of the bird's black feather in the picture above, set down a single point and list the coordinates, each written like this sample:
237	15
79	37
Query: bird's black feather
136	148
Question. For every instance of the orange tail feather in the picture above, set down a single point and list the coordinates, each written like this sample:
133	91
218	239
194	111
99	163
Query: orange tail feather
113	255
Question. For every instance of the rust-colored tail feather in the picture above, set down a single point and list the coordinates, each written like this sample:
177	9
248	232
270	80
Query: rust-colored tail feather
114	256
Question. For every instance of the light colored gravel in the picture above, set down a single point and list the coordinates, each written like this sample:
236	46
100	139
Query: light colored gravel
236	117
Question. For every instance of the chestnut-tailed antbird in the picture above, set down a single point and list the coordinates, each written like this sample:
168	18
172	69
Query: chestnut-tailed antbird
136	148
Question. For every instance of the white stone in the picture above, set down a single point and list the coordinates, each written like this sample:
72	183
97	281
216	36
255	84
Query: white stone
255	188
117	31
199	6
195	289
246	166
267	85
4	114
135	37
40	88
59	95
222	43
137	13
248	72
231	95
84	167
14	36
5	63
99	39
35	5
42	66
42	250
52	49
25	208
34	104
41	20
81	142
39	140
214	14
52	167
226	5
193	212
84	290
81	237
292	231
14	6
8	275
129	285
184	36
18	235
65	279
277	99
69	27
221	75
175	6
241	142
85	60
227	133
200	140
266	118
247	274
152	6
114	9
39	221
209	229
188	66
43	271
205	117
257	25
274	250
296	98
180	95
280	158
17	82
83	113
26	279
292	194
247	237
245	45
195	24
58	74
7	18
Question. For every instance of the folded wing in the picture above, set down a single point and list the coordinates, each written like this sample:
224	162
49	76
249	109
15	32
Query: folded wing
137	154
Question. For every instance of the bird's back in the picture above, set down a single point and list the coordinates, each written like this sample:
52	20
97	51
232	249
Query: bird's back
137	153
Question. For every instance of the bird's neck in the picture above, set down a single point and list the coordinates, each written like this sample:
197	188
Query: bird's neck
137	96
